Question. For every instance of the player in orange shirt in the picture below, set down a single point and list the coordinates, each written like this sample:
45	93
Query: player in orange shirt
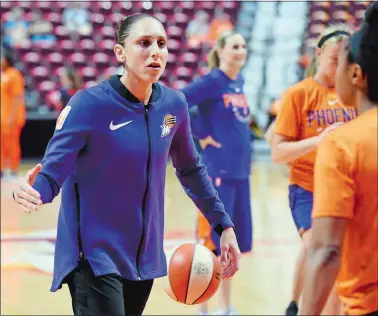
275	105
12	114
309	110
344	239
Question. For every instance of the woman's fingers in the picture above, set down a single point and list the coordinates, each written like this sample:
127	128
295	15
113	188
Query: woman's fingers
27	188
214	143
26	205
24	209
25	195
28	197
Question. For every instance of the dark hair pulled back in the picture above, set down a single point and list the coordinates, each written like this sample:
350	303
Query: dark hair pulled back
124	27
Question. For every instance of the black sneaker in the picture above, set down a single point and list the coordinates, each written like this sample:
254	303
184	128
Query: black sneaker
292	309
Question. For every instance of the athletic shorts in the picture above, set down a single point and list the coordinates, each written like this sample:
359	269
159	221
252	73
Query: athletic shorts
235	195
301	202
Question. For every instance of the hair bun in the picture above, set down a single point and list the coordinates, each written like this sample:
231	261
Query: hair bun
371	14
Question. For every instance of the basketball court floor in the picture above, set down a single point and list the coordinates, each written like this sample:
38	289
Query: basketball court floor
261	287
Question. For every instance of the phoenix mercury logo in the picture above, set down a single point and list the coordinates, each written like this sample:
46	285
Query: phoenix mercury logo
238	103
168	123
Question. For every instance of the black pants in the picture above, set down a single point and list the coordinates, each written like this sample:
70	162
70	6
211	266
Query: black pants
106	295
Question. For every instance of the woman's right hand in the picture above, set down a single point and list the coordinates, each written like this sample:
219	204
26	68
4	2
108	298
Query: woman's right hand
209	141
25	195
328	130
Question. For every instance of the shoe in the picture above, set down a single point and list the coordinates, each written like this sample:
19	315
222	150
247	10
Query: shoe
292	309
231	311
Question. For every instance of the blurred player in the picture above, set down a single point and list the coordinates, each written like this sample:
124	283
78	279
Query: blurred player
108	157
225	138
13	114
344	241
297	283
275	105
71	83
309	110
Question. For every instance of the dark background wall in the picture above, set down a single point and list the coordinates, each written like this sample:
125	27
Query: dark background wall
35	137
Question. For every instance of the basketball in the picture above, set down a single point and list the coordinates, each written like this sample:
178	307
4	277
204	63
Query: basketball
194	274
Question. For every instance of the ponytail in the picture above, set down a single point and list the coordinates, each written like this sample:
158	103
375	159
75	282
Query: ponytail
213	59
310	71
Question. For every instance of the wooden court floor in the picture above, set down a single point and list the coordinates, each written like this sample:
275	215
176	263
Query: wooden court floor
261	287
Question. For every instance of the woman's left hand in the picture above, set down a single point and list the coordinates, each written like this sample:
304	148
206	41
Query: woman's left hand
230	253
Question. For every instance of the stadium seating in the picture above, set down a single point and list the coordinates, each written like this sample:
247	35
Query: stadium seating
326	12
93	54
276	32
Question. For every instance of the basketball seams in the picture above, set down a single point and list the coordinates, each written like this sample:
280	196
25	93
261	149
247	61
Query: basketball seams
190	272
201	274
208	286
199	268
211	283
169	290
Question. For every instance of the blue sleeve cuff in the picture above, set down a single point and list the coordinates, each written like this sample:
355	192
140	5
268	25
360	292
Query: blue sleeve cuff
225	224
45	186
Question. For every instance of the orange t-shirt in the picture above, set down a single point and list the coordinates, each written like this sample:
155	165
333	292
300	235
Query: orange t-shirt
306	109
346	173
12	85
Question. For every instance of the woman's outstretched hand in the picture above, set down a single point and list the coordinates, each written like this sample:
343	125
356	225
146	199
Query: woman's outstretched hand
24	194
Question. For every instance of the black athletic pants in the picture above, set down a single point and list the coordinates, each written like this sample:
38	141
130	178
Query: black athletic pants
106	295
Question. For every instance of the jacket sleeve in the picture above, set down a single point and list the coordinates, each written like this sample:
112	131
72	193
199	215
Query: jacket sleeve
69	139
196	94
198	91
194	178
197	125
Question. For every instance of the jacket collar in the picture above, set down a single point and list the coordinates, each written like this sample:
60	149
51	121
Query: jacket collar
117	85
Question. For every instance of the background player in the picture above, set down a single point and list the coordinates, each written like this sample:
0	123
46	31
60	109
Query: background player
309	110
224	136
13	114
275	106
297	284
344	240
71	83
109	155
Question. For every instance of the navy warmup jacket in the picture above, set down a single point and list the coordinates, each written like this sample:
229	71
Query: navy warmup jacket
108	155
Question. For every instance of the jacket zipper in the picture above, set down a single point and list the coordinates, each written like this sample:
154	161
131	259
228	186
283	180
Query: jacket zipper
146	108
77	196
